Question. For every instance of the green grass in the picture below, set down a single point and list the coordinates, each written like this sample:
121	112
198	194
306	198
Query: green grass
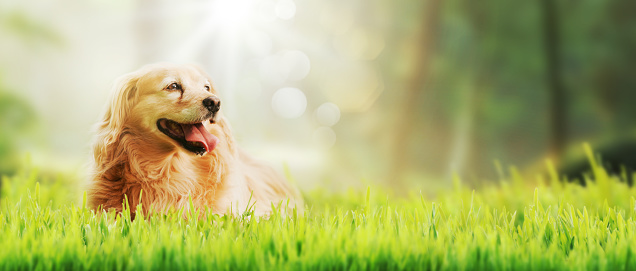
508	226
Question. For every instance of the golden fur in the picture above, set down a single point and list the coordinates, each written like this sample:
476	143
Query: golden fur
131	154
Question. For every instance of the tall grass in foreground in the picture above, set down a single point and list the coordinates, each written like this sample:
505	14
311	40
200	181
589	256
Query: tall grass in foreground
508	226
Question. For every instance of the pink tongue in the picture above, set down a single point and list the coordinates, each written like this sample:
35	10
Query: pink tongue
198	133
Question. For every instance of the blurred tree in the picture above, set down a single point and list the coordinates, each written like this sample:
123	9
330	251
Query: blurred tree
466	147
419	82
557	100
611	54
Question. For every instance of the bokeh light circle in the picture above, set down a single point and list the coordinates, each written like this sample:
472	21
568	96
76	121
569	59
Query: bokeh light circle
289	103
328	114
294	65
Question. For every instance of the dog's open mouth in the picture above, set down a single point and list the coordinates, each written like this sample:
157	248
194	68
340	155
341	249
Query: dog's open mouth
192	137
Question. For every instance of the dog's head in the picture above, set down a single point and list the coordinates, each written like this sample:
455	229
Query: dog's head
166	105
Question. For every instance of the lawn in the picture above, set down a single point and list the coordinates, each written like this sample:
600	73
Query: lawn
510	225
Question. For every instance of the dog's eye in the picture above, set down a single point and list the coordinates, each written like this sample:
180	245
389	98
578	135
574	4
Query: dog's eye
174	86
207	88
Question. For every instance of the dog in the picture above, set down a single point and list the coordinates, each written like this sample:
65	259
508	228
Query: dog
163	141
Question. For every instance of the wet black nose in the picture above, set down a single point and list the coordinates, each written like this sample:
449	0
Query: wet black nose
212	103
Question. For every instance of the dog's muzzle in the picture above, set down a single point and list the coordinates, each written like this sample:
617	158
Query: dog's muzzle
212	103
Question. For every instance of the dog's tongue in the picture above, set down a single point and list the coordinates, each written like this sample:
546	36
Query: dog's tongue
198	133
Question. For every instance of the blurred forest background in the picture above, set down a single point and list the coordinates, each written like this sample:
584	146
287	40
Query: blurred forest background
403	93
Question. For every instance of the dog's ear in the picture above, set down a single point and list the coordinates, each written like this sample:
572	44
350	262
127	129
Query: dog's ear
123	97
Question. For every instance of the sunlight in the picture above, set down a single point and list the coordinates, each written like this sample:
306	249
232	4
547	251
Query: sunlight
230	14
223	17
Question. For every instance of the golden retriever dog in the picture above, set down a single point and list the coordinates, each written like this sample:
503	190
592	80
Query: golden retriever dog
163	132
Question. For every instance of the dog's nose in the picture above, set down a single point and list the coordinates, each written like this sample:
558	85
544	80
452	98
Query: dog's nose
212	103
